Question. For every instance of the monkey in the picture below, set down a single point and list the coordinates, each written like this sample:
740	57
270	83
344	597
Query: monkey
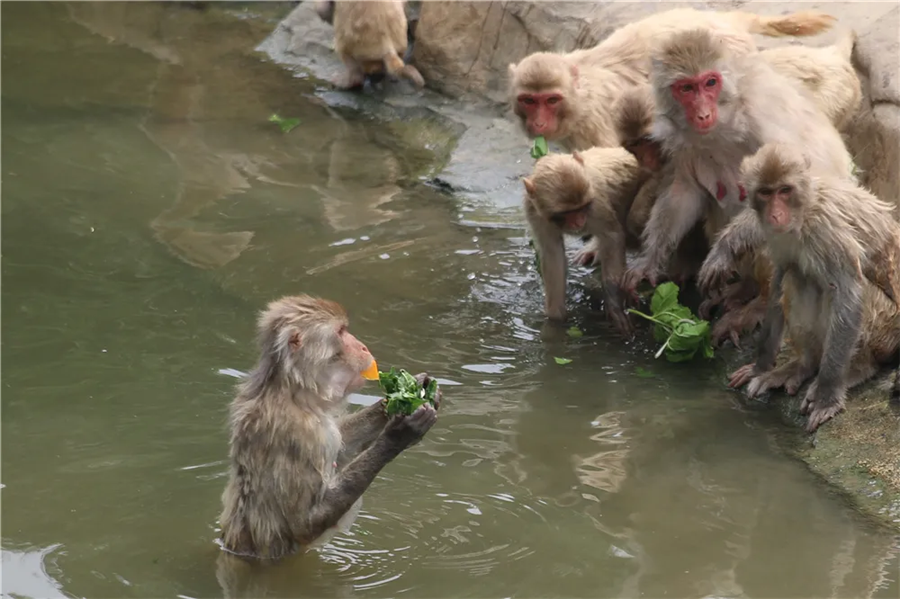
585	192
712	109
826	72
298	466
823	233
370	36
566	97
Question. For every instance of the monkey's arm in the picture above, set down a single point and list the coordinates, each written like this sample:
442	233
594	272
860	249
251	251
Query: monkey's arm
825	397
611	251
350	482
678	208
552	260
743	234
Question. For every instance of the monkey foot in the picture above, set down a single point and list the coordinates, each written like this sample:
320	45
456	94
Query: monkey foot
739	294
790	376
822	414
742	376
821	409
737	322
586	257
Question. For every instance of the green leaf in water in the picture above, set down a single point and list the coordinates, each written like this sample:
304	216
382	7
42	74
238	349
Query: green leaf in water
562	361
681	333
643	373
574	332
539	147
285	124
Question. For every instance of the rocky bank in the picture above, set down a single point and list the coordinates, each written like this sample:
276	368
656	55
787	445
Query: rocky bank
463	50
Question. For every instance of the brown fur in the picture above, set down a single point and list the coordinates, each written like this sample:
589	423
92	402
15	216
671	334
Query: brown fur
299	464
840	323
590	80
606	179
370	37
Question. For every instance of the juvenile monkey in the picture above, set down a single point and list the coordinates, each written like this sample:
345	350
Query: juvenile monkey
567	97
299	466
585	192
370	36
712	109
823	234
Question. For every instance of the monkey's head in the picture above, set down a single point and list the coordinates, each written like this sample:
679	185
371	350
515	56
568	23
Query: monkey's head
308	342
634	120
778	182
691	80
542	86
560	191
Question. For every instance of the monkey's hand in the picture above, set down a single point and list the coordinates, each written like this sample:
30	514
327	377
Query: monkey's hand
742	375
423	379
821	404
642	269
403	431
716	270
615	308
589	255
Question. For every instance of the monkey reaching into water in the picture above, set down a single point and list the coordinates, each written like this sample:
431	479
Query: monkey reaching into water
299	466
836	282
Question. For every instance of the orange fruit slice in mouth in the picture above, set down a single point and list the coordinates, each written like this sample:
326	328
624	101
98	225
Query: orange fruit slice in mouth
371	373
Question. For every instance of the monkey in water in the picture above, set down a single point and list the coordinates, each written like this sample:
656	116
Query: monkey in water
587	192
299	465
712	109
567	97
836	281
370	36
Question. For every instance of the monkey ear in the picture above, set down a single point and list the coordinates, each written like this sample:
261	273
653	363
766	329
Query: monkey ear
807	161
529	186
512	68
294	341
578	158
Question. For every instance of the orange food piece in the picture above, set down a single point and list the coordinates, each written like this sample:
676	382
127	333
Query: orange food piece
371	373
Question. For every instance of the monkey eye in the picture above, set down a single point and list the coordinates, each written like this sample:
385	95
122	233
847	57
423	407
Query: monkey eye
553	100
764	192
527	100
785	190
711	82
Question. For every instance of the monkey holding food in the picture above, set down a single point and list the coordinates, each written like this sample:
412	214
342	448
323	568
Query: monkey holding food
298	465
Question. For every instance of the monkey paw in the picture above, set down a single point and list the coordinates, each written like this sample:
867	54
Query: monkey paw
637	273
587	257
714	272
405	431
742	375
821	406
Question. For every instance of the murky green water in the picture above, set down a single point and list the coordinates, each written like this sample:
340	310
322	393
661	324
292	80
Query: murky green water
149	210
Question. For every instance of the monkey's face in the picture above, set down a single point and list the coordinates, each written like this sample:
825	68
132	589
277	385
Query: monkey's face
572	221
541	112
698	96
353	364
777	206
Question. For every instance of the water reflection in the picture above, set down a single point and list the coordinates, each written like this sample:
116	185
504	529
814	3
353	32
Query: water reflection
176	211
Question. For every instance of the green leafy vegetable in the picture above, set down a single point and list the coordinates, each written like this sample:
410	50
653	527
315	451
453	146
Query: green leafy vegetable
285	124
575	332
562	361
681	333
539	147
403	393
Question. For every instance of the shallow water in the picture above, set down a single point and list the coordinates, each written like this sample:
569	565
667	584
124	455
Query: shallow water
149	210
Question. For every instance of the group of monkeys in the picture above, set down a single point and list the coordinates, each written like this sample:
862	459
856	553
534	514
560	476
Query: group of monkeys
716	160
689	144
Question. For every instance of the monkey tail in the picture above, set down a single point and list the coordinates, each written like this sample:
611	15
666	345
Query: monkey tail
394	65
799	24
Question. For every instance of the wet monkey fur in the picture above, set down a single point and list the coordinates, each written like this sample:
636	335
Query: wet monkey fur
566	97
587	192
712	109
299	464
370	36
836	281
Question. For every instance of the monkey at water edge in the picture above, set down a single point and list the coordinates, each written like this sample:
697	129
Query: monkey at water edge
370	36
826	237
567	97
585	192
712	109
299	465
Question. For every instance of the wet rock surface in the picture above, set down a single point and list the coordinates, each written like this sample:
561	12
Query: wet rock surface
463	50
